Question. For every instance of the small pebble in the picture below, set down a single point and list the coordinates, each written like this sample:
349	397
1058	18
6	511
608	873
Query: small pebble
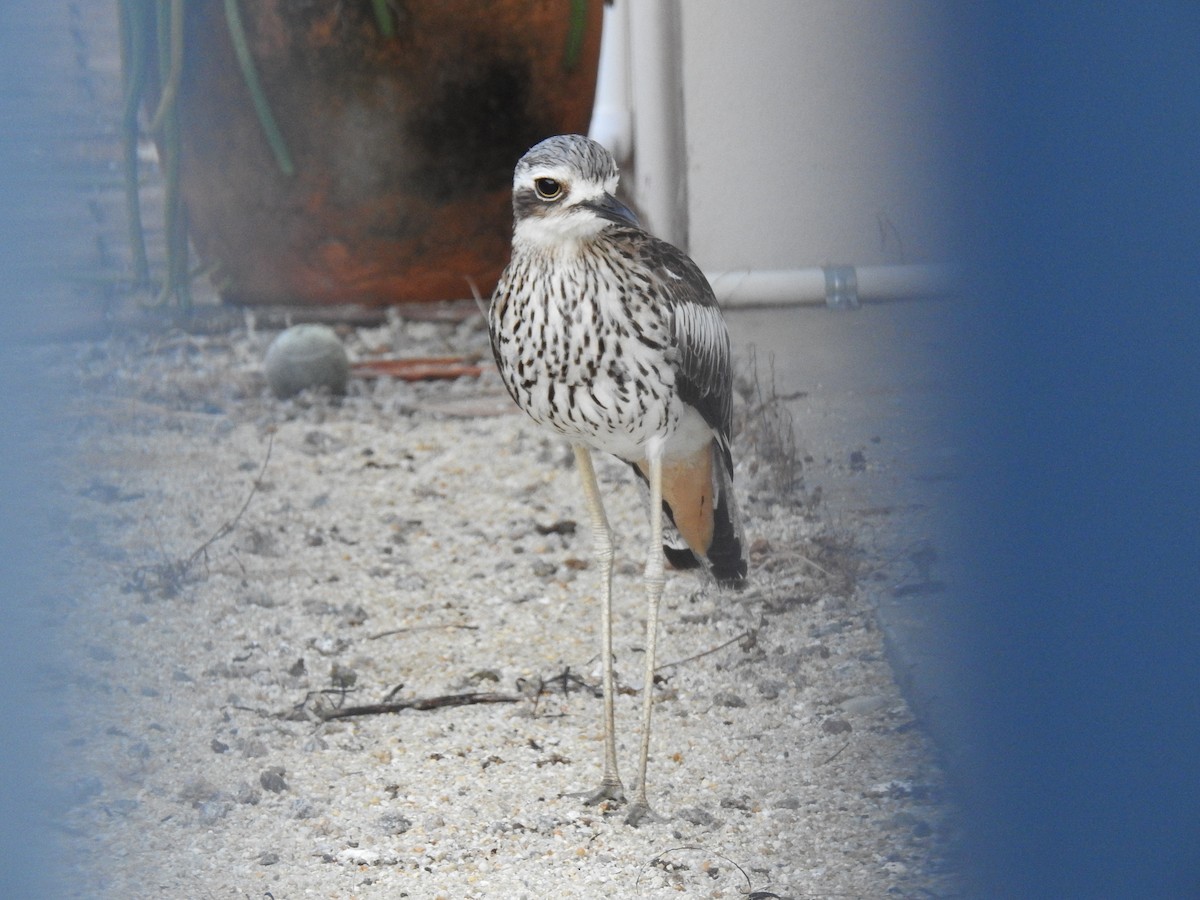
258	598
835	725
342	676
198	790
770	689
247	795
353	615
253	749
394	823
212	811
272	780
304	809
359	856
697	816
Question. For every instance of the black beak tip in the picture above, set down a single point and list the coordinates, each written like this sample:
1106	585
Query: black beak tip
609	207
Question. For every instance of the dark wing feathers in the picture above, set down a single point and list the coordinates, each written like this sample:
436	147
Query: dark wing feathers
703	370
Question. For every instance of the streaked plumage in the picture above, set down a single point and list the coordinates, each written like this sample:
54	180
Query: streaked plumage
613	339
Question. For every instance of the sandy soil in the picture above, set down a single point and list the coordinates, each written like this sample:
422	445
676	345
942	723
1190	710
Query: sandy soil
246	570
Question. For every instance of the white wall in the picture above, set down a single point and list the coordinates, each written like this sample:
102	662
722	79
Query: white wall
815	131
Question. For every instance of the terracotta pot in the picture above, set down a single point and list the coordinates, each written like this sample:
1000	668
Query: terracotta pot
403	146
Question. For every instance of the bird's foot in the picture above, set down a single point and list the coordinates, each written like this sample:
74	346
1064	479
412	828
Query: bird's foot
610	789
640	811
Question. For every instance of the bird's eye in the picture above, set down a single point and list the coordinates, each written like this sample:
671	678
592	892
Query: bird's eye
547	188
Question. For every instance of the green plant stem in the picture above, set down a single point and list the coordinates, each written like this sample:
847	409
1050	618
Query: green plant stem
579	10
383	16
262	108
170	85
176	281
133	68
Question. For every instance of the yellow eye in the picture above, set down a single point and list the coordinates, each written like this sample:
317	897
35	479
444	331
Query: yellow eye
547	188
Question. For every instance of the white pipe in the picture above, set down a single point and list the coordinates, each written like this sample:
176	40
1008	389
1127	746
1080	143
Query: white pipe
830	285
660	189
612	116
639	112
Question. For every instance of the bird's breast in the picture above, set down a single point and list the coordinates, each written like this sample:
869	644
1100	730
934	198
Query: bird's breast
582	352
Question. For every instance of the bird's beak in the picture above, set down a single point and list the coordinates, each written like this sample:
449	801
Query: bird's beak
609	207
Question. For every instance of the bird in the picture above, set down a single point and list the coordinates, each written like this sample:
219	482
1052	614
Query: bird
613	339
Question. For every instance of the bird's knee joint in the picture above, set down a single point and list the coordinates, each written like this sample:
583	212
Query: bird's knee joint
602	546
655	578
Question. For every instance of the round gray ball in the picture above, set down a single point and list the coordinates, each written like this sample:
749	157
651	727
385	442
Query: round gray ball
307	356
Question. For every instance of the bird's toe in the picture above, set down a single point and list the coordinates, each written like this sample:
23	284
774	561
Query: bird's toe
640	812
610	790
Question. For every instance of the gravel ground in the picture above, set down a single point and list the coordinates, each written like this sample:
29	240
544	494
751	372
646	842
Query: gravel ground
245	571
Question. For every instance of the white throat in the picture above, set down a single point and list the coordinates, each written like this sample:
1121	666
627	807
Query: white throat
556	233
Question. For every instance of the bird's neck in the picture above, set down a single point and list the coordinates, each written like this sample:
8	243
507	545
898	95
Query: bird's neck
535	237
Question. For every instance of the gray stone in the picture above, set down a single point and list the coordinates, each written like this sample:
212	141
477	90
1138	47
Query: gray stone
394	823
272	780
697	816
307	356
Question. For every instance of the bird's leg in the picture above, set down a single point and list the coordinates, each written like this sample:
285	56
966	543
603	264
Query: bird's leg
656	579
610	784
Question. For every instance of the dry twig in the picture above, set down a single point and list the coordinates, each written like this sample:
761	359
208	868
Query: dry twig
231	524
418	703
750	632
169	576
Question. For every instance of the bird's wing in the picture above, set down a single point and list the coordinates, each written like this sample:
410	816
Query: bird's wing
703	367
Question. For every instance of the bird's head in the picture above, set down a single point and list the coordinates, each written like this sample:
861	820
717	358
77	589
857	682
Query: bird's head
563	193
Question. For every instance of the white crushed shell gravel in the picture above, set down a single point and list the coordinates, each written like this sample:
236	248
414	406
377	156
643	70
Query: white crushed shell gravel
240	564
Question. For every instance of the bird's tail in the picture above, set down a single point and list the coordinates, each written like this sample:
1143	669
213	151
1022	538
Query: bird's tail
727	552
698	500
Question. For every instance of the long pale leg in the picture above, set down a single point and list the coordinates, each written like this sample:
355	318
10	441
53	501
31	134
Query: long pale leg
602	548
656	579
